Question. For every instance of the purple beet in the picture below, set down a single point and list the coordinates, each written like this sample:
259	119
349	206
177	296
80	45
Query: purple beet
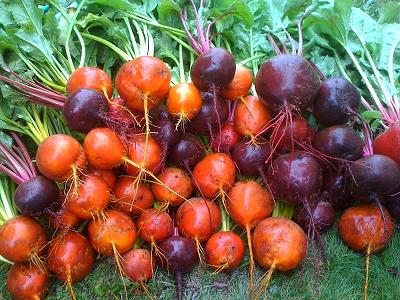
214	68
337	102
315	217
336	189
213	114
163	128
85	109
251	158
187	152
339	141
295	178
32	197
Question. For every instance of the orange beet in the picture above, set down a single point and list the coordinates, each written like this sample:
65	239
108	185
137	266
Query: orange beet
103	148
184	101
279	243
251	116
63	219
108	176
198	218
177	180
144	79
115	233
362	227
90	78
138	265
59	157
130	198
22	239
154	226
224	250
92	197
148	157
240	85
26	281
214	174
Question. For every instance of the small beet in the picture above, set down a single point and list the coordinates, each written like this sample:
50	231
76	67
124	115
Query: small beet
318	217
187	152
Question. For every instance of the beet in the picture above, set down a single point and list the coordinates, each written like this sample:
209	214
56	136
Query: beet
214	68
85	110
339	141
187	152
318	217
374	176
392	203
336	189
336	102
178	255
214	112
32	197
388	142
287	81
226	139
295	177
163	127
251	158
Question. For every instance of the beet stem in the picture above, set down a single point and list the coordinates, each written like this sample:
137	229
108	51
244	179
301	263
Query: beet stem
251	269
179	287
367	272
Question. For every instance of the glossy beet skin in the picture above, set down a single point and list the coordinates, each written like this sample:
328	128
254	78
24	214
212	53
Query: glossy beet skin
138	265
214	68
375	175
163	128
179	254
32	197
287	80
336	189
392	203
362	227
321	218
339	141
295	177
388	143
250	158
206	120
226	139
85	109
90	78
25	281
336	102
187	152
22	238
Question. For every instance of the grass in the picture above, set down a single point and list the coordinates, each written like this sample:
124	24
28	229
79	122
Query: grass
342	278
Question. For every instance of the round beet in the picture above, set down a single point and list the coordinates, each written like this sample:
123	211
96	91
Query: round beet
225	139
32	197
251	158
374	176
187	152
388	142
163	127
336	189
317	217
336	102
287	80
214	68
213	114
339	141
83	110
392	203
295	177
138	265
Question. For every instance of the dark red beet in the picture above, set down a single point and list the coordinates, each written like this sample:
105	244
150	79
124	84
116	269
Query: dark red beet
187	152
374	176
214	68
299	130
213	113
287	80
318	217
336	102
226	139
295	177
392	203
178	255
251	158
163	127
339	141
336	190
119	114
85	110
32	197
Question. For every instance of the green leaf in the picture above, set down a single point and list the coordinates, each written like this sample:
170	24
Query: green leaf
389	12
371	115
115	4
33	43
27	14
237	9
168	12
